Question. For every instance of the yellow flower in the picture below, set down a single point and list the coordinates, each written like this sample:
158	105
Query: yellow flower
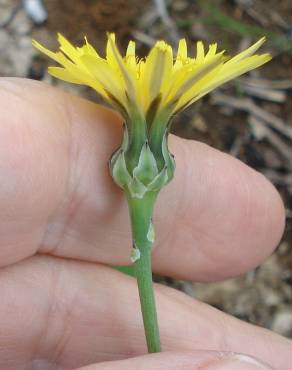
148	92
155	84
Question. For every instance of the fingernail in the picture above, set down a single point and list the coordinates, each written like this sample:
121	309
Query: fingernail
237	362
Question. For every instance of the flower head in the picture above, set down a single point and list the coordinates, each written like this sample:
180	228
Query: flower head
159	81
148	92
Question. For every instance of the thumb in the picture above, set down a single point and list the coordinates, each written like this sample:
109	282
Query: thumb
197	360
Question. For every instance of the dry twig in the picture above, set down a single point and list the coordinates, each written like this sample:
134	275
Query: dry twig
263	92
279	179
261	131
143	38
249	106
264	83
167	21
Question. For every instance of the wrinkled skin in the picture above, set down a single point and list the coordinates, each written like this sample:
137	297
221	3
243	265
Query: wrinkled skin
63	222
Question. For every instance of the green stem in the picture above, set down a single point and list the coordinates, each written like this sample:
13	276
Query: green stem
141	213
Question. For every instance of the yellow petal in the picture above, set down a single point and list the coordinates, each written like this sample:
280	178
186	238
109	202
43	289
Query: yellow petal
106	76
131	49
89	49
45	51
221	75
248	52
157	70
200	51
64	74
229	72
198	72
109	50
130	59
68	49
182	50
117	60
181	56
212	50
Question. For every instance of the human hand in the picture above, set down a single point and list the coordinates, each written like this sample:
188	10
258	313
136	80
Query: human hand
63	221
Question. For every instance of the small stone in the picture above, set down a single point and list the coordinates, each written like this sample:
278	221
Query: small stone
199	123
36	10
179	5
282	323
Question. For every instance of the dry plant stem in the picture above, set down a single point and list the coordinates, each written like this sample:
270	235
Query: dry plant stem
141	213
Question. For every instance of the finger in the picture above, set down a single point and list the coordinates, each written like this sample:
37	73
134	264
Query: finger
197	360
70	314
218	217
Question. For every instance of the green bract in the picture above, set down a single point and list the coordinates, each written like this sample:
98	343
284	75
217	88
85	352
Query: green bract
150	171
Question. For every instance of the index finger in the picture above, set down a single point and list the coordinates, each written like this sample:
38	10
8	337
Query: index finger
218	217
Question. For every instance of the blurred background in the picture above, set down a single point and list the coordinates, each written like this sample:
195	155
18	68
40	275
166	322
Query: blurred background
250	118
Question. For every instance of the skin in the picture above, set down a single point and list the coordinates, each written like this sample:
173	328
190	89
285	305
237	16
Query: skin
63	221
